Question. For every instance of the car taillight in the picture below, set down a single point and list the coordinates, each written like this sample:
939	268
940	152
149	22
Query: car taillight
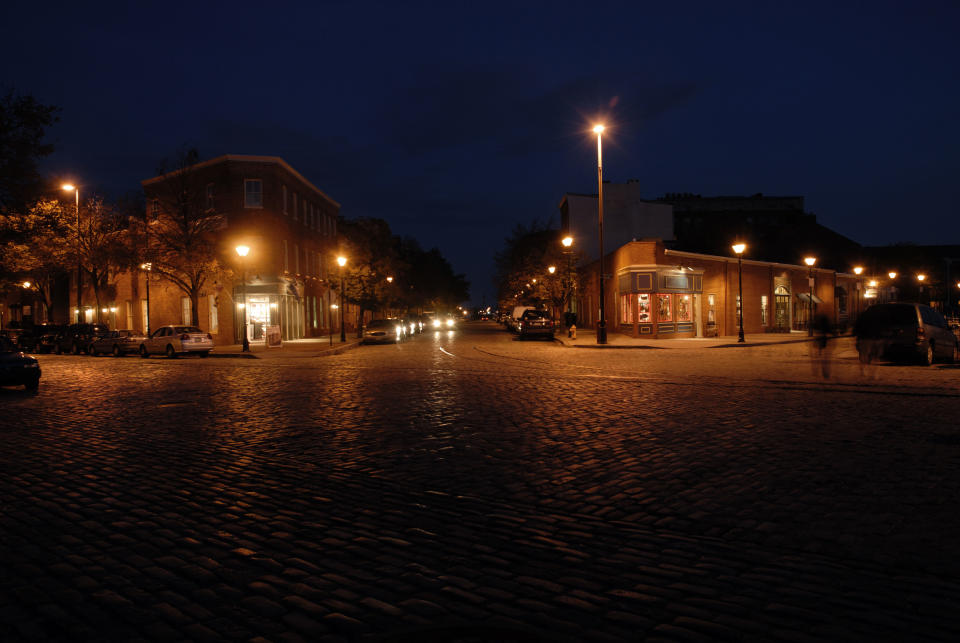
921	333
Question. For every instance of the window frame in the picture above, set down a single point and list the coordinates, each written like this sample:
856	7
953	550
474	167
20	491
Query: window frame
246	194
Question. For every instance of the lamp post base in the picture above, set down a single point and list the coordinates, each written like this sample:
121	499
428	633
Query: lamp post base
246	341
602	333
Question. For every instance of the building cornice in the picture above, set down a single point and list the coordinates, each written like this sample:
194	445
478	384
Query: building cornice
245	158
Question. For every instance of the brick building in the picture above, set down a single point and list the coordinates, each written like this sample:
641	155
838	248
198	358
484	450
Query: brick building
651	290
289	225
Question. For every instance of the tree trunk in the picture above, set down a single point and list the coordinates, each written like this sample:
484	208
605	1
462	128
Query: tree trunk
194	313
359	322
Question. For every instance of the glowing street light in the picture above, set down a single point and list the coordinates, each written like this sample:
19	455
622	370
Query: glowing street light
389	280
551	269
739	248
858	270
810	261
242	251
67	187
567	241
602	322
342	261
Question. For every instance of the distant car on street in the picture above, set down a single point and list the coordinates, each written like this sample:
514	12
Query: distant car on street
535	323
46	334
117	342
384	331
904	330
174	340
16	367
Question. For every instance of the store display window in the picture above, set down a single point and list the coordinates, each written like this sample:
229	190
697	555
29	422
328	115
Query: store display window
684	309
643	308
626	309
664	309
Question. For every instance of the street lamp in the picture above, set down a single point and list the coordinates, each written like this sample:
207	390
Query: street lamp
243	251
739	248
147	266
810	261
602	322
858	270
921	278
76	190
567	242
551	269
342	261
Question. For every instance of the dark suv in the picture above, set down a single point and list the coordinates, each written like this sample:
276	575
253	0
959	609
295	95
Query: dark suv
906	331
76	338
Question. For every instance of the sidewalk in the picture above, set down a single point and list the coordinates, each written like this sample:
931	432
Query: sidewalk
312	347
587	338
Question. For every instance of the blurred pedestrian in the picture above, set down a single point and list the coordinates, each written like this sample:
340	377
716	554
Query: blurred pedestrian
869	349
820	350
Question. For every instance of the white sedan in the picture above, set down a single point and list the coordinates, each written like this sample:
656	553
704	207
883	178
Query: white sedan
177	340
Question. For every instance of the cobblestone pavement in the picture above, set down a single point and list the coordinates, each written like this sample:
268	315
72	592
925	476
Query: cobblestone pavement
470	487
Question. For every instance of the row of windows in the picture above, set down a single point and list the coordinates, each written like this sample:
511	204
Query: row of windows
310	213
313	264
675	307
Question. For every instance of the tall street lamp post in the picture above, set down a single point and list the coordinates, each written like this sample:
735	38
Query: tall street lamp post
76	191
342	261
243	251
567	242
858	270
602	322
810	261
739	248
893	275
147	267
921	278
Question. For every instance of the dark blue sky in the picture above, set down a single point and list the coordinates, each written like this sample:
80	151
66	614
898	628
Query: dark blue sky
456	121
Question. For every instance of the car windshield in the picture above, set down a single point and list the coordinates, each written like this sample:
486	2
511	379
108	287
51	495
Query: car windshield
187	329
534	314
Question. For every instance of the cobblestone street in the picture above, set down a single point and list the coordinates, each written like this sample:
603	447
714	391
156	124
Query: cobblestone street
468	486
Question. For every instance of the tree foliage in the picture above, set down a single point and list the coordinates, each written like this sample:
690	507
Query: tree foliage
23	124
179	233
523	274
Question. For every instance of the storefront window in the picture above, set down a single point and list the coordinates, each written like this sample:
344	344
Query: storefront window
643	315
664	310
684	309
711	309
626	309
763	310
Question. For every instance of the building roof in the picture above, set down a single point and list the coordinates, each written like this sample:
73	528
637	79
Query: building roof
245	158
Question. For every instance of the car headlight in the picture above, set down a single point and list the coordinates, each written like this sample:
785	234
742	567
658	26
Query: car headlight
436	323
449	323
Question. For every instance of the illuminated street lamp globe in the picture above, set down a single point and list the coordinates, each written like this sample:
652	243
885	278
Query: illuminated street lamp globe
567	241
552	269
892	274
858	270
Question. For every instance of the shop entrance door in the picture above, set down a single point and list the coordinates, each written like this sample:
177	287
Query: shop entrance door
259	317
781	300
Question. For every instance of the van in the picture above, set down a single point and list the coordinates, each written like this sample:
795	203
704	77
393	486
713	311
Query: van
905	330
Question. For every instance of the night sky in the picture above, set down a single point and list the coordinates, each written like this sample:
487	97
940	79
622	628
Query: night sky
456	121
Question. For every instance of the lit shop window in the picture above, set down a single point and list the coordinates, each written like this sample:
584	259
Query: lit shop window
643	314
711	309
684	309
664	310
626	309
763	310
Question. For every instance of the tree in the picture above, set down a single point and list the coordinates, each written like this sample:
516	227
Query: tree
105	247
180	233
523	268
432	284
40	247
23	124
371	251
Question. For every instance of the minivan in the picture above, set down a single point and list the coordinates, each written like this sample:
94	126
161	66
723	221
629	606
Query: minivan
904	330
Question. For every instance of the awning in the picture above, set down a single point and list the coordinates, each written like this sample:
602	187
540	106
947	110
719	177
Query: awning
805	298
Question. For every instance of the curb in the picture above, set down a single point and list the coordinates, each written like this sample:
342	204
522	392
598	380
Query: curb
336	350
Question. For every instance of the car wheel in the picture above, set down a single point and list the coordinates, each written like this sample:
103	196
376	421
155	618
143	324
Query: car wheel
927	357
205	354
143	352
116	351
91	351
171	354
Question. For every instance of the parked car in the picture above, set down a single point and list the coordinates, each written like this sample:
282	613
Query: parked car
513	320
117	342
904	330
535	323
16	367
413	324
46	335
176	340
76	338
384	331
